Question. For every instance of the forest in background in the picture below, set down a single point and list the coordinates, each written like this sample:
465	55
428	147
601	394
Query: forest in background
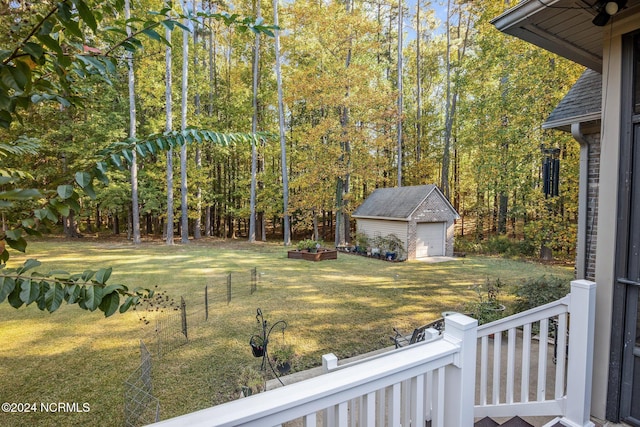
464	114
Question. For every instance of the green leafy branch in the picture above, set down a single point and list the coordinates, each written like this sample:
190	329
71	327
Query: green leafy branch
89	290
120	154
44	65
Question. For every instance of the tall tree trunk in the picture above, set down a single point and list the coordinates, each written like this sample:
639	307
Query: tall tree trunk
135	207
169	128
400	98
197	223
183	126
254	129
418	88
283	147
213	91
452	96
342	235
448	122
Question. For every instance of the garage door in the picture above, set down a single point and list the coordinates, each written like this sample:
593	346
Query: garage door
430	239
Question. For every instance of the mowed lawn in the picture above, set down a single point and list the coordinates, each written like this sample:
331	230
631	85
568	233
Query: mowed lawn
346	306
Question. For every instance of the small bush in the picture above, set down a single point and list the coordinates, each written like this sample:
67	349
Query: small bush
251	381
497	245
309	244
390	243
468	245
539	291
487	308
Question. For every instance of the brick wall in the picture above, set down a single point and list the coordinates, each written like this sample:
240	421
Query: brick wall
433	209
592	204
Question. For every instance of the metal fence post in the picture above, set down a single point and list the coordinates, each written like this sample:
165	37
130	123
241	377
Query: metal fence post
254	279
183	309
206	302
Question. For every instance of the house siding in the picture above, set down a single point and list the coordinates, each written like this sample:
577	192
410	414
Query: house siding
380	228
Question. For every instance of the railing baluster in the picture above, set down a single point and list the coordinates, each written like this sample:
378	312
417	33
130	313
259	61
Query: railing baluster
542	359
394	405
484	369
330	416
560	354
526	362
417	400
439	398
511	363
309	420
368	414
343	414
497	349
351	412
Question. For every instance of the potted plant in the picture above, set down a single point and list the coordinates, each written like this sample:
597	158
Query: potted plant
362	242
282	356
257	346
487	308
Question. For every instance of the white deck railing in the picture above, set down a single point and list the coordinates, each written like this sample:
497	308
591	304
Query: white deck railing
436	380
382	387
523	365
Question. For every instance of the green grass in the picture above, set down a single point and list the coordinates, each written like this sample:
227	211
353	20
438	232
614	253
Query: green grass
347	307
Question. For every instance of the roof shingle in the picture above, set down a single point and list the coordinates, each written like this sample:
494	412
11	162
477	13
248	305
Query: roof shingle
397	202
581	104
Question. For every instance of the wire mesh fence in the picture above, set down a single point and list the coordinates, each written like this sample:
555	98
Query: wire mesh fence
140	406
172	328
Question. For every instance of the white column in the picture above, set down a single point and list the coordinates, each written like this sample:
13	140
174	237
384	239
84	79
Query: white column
581	337
461	377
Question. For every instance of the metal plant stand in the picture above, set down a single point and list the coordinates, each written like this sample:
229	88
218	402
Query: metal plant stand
260	343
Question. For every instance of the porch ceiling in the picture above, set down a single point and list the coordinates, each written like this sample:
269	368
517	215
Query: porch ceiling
563	27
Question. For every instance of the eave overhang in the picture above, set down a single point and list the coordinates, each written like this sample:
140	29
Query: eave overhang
563	27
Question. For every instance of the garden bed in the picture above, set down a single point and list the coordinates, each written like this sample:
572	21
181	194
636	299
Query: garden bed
319	255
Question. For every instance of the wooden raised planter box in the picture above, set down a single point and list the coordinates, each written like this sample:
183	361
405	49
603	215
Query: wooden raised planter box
321	255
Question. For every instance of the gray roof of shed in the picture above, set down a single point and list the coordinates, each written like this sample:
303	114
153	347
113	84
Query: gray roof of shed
396	202
582	104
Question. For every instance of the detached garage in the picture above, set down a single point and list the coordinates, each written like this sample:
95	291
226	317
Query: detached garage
420	216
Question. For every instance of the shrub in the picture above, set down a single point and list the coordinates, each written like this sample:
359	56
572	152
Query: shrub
497	245
487	308
251	381
539	291
362	242
390	243
309	244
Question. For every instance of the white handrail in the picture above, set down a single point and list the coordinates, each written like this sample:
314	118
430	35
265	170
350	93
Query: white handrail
446	358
